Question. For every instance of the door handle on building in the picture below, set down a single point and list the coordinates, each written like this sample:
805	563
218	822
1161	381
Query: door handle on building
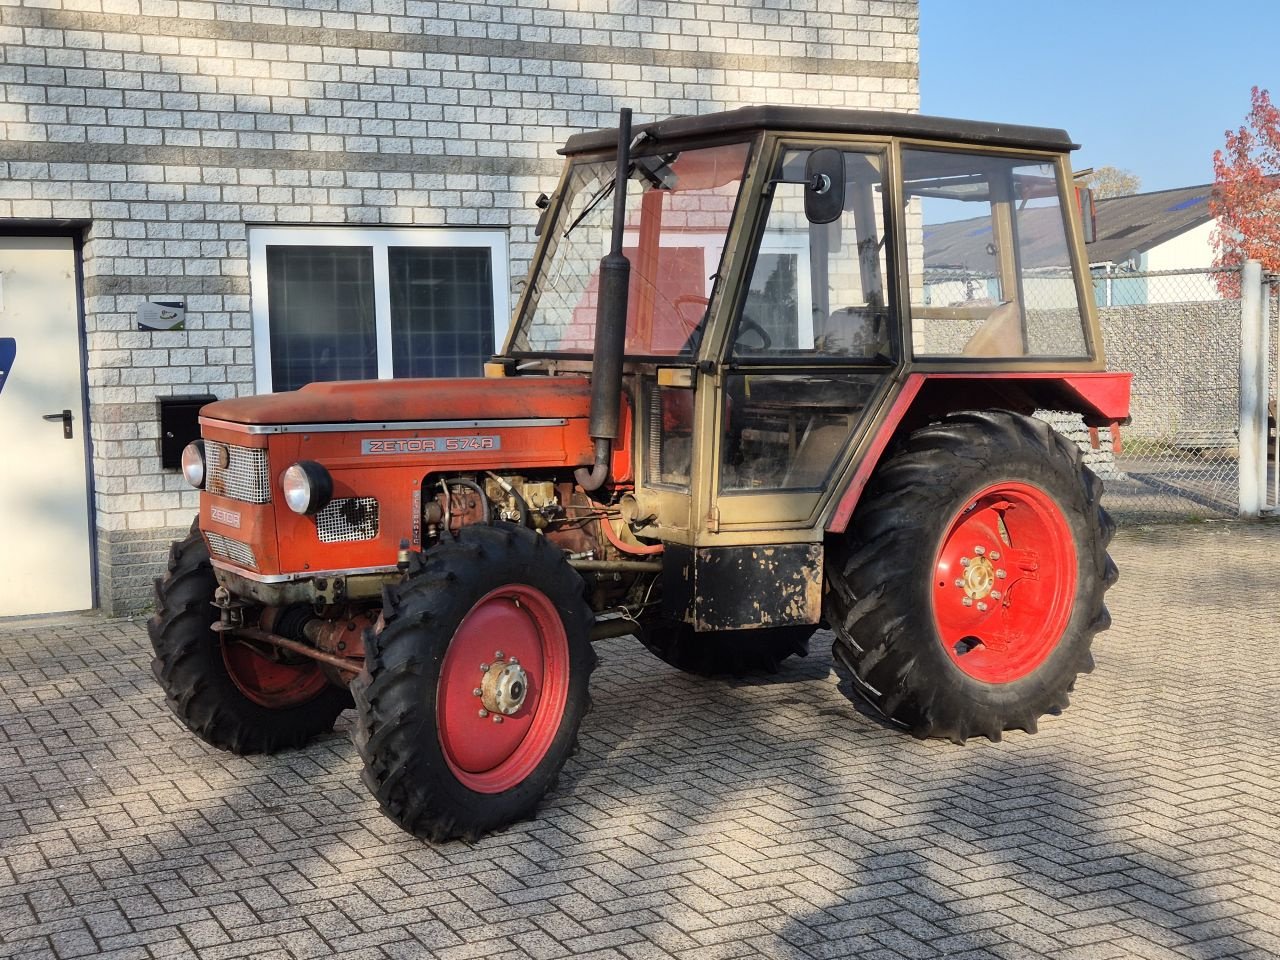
66	418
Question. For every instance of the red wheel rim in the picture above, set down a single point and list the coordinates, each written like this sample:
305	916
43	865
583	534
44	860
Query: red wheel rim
518	622
268	682
1004	582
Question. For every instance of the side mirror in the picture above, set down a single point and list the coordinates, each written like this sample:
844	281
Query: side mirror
1088	213
824	185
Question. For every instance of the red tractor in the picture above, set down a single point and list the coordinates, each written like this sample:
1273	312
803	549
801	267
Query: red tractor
773	369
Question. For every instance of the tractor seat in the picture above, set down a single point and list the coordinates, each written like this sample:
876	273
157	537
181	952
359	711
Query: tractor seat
1000	334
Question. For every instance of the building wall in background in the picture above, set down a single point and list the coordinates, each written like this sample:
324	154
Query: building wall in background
1192	250
166	130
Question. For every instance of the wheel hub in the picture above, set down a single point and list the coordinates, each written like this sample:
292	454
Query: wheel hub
979	578
498	711
504	687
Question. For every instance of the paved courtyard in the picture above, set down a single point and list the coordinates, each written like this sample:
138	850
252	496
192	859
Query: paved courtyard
701	819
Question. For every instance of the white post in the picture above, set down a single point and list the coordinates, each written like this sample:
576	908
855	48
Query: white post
1264	391
1252	387
1272	289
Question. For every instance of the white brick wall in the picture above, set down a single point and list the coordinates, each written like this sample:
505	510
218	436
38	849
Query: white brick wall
167	126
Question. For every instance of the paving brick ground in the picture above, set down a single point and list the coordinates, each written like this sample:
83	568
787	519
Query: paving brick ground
702	819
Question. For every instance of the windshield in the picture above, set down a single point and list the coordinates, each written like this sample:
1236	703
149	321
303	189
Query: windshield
679	207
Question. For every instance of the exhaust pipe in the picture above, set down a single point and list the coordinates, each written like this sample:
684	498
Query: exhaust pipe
611	325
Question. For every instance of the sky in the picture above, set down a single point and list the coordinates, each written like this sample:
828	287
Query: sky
1146	85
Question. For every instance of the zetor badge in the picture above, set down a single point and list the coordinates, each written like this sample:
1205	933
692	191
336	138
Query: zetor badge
795	394
430	445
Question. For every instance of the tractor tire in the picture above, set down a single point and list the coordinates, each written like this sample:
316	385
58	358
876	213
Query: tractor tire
732	653
441	765
968	588
225	691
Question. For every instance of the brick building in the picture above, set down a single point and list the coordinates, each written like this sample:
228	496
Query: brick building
327	188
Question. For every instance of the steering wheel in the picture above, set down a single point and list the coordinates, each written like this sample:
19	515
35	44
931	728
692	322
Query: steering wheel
684	298
694	299
748	326
694	335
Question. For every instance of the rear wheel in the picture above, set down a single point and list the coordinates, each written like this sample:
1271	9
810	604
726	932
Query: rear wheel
233	694
475	684
967	591
725	652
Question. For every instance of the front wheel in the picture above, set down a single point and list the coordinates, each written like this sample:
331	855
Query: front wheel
233	694
967	591
475	684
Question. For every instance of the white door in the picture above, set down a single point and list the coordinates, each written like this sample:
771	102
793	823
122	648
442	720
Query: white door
44	502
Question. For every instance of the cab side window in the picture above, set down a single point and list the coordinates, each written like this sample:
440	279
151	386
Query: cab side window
817	290
990	266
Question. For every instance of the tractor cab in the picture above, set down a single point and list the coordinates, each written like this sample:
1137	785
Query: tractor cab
791	272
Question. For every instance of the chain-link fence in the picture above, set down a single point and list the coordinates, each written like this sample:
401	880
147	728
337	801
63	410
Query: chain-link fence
1178	333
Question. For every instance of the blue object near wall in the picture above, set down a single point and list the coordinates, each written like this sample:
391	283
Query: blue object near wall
8	350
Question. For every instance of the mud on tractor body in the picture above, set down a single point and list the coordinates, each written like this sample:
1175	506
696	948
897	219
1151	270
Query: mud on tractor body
774	369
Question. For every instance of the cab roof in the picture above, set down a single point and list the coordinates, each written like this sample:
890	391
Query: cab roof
832	120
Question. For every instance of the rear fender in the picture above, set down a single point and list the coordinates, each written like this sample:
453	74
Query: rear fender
1102	399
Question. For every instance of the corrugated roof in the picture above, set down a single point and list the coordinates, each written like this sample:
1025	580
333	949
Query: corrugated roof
964	244
1145	220
1138	222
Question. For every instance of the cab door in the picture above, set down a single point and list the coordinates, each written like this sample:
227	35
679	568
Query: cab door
811	349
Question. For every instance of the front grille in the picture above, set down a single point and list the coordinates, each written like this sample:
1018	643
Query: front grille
227	549
343	521
240	473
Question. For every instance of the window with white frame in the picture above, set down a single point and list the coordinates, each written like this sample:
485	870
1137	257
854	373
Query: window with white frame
336	303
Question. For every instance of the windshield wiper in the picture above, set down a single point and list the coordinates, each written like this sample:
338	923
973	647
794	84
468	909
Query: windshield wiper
591	205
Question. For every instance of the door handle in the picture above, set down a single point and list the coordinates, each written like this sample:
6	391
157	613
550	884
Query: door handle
65	417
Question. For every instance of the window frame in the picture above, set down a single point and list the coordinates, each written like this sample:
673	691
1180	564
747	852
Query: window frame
755	240
1081	274
552	216
380	239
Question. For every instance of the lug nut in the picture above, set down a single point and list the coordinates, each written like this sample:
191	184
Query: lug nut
995	555
513	660
964	561
967	601
982	607
484	668
497	718
1000	574
995	594
483	713
979	550
959	583
497	655
477	692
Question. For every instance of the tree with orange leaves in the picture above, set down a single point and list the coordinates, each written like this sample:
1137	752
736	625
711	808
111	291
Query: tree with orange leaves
1245	200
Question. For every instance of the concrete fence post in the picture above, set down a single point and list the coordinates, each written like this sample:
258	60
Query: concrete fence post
1266	502
1253	389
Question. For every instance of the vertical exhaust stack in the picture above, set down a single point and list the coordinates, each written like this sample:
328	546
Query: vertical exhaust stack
611	324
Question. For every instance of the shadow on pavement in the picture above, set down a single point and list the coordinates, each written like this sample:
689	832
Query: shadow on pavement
701	818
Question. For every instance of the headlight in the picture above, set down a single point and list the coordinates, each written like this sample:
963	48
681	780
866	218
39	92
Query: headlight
307	487
193	463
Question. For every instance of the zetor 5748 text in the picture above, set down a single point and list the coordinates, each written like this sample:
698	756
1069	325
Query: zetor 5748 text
773	370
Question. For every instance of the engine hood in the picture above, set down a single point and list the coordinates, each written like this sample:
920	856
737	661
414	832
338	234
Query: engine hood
406	401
